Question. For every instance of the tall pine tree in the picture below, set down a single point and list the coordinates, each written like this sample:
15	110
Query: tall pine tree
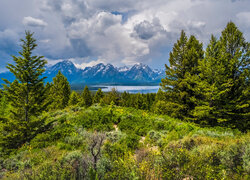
225	80
182	75
26	95
210	76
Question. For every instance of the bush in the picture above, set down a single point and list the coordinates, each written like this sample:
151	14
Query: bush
246	158
131	141
231	157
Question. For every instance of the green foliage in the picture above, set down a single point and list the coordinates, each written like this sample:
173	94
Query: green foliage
160	96
86	98
225	86
133	144
4	106
138	101
113	95
60	92
182	75
211	90
98	96
74	98
131	141
125	99
161	107
246	158
26	96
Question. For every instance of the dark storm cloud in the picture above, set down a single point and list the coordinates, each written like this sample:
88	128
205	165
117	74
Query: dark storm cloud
146	30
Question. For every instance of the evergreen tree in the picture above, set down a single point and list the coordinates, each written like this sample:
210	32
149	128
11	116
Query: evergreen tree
160	95
74	98
182	75
86	97
225	73
210	75
98	96
151	99
138	101
125	99
235	94
145	102
60	91
26	95
4	106
113	95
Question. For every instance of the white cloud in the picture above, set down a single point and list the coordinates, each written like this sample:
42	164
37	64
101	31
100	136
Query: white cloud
244	17
105	35
118	31
33	22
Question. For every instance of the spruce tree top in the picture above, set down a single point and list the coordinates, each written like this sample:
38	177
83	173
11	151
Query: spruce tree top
28	68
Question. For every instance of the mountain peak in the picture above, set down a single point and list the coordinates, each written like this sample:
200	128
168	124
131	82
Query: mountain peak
123	69
141	66
99	64
65	66
67	62
104	73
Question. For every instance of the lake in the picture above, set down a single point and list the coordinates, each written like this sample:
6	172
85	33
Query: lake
130	89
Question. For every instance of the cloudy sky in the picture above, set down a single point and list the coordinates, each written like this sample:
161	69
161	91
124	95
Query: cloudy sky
121	32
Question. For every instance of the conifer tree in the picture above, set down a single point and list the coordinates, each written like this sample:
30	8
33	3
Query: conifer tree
4	106
86	98
74	98
225	75
235	92
113	95
138	101
210	68
26	96
182	75
98	96
60	91
125	99
160	95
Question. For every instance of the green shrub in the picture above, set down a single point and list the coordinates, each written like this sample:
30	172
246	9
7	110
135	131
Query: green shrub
231	157
246	158
41	140
131	141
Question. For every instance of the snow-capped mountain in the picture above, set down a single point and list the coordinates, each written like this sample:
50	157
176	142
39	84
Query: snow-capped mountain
140	72
123	69
66	67
101	73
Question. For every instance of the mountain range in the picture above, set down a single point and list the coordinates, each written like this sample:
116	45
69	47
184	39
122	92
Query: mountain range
100	74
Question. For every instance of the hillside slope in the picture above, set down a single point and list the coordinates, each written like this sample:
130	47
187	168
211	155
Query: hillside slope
123	143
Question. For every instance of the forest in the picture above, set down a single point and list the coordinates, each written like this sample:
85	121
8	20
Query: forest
195	127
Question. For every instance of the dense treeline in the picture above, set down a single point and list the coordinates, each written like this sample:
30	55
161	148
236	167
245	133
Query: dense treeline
99	131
